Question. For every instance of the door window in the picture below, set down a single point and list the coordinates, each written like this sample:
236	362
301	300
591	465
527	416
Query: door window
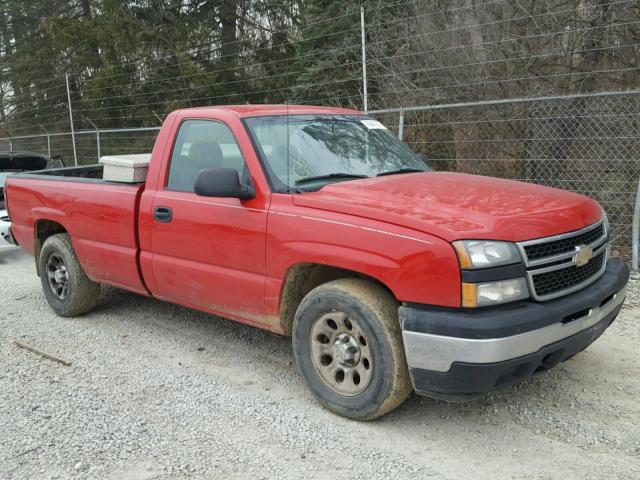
202	144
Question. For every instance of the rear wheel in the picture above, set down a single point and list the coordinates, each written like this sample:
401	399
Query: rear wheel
67	288
347	343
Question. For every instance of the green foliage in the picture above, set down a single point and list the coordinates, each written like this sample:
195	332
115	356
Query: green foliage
128	61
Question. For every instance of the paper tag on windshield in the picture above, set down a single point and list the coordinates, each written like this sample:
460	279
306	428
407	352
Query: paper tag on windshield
373	124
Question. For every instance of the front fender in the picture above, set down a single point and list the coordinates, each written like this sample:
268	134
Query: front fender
414	266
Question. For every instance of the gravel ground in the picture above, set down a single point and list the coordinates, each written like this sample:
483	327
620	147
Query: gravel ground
159	391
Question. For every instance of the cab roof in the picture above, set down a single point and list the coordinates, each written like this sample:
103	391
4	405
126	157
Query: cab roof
243	111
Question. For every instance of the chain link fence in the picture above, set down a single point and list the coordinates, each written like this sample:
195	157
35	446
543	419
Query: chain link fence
588	144
90	145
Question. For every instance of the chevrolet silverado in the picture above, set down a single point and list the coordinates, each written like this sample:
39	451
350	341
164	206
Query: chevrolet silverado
319	224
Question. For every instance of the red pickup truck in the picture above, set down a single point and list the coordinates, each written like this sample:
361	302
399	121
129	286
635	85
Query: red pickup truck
319	224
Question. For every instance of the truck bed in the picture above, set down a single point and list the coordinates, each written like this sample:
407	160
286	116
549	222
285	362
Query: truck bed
100	217
90	173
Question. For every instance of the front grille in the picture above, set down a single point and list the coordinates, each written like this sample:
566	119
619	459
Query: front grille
549	283
551	262
538	251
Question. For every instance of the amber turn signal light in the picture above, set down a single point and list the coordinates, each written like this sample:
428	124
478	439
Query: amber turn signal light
463	255
469	295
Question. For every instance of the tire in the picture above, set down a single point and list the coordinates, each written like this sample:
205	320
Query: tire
376	361
77	294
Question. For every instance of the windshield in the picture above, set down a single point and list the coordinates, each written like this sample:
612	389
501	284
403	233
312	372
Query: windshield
305	152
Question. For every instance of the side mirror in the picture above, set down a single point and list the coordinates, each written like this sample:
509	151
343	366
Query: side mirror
222	182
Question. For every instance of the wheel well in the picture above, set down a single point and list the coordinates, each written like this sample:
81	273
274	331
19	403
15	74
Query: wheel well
43	230
303	278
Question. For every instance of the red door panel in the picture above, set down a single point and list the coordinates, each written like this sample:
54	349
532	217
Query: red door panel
211	254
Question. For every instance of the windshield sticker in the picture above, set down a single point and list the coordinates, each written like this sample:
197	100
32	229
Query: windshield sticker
373	124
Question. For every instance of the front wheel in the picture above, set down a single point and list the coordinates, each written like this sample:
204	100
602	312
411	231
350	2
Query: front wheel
347	343
68	289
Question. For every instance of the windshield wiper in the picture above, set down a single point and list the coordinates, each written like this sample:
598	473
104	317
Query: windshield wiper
329	176
401	170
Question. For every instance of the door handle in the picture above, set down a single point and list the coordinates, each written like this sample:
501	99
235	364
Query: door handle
162	214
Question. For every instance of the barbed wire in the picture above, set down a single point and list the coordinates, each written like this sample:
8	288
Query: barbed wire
193	50
375	59
565	31
506	80
126	103
258	65
506	60
354	29
498	22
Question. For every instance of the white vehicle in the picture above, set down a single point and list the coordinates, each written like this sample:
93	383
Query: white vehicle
10	163
5	223
5	230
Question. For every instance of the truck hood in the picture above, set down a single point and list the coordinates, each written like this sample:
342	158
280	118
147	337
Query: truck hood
456	206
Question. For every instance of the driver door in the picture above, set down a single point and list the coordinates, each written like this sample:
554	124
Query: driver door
208	252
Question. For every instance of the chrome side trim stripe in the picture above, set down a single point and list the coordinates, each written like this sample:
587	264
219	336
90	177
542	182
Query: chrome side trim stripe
304	217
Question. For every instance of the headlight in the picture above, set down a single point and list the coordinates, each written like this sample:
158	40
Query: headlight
492	293
485	253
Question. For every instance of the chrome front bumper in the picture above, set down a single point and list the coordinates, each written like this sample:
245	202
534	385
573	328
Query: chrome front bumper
438	352
467	350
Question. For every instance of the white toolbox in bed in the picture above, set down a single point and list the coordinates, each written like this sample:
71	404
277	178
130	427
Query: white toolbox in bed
125	168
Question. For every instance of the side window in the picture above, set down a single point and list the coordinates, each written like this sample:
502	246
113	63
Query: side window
202	144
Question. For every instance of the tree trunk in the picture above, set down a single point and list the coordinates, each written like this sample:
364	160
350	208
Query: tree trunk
230	48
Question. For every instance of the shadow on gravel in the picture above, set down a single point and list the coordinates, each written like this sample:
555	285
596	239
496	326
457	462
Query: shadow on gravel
184	324
269	351
213	343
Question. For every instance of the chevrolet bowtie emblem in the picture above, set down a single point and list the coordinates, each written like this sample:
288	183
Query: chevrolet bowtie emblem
583	255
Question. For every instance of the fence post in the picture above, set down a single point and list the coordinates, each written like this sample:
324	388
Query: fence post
46	132
158	117
635	232
73	132
97	137
10	145
401	124
364	62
